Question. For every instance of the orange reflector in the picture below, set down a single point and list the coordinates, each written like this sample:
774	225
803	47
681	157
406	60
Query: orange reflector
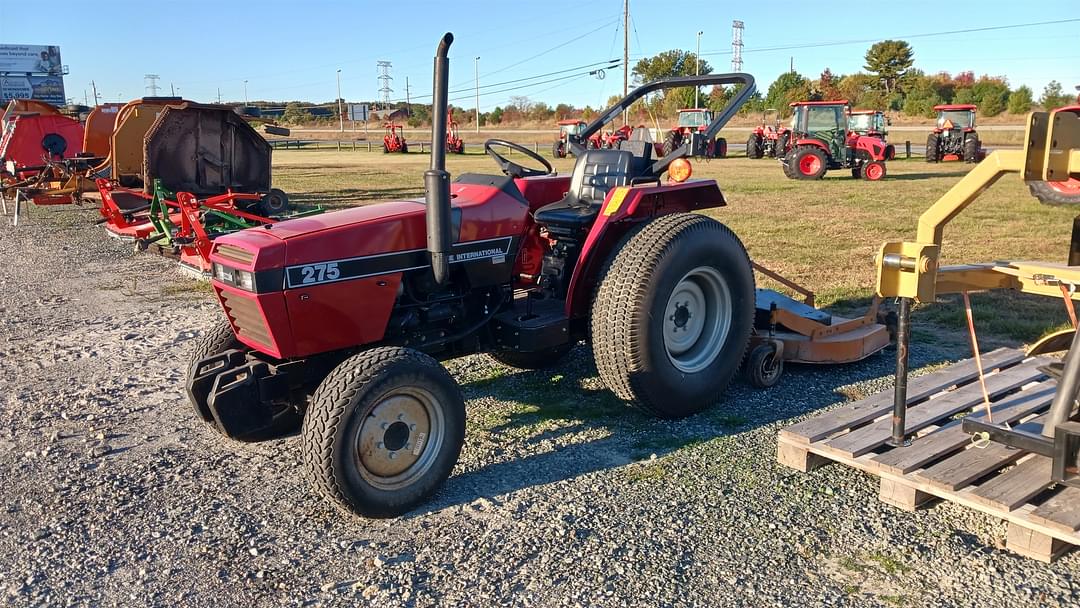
680	170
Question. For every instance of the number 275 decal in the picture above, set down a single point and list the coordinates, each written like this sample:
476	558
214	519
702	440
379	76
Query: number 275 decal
317	273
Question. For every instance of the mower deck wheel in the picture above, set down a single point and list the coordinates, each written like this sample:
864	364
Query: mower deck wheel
673	313
276	202
383	431
763	368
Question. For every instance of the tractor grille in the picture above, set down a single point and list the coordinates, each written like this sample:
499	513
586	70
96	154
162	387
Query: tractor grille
248	319
235	254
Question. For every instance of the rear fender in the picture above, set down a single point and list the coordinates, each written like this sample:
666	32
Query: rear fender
624	208
817	143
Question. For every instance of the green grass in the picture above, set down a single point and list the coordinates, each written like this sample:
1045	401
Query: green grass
823	235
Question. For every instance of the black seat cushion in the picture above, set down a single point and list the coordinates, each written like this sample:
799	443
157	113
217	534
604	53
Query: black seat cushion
595	173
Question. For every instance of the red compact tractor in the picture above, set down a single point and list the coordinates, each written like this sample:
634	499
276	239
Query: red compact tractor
821	141
954	136
454	143
769	138
611	139
394	138
695	120
334	325
569	127
872	123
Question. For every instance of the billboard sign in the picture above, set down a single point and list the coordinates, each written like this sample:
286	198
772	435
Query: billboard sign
49	89
358	112
30	59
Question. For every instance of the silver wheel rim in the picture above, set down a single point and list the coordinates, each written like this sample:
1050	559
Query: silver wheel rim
399	439
697	319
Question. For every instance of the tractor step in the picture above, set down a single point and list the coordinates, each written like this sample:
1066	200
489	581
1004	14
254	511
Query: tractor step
532	325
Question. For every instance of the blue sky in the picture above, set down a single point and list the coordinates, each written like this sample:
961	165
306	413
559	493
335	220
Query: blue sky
292	49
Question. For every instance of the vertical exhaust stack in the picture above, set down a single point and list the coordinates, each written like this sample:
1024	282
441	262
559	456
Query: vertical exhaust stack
436	179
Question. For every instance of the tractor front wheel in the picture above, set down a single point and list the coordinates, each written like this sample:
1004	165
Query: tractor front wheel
933	145
556	150
673	313
671	141
873	171
217	340
383	431
809	163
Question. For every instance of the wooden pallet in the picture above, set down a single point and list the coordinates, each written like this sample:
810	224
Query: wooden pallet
942	462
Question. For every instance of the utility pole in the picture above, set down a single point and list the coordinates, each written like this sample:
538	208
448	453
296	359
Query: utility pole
172	89
219	94
697	66
340	115
476	78
245	94
625	53
94	87
791	67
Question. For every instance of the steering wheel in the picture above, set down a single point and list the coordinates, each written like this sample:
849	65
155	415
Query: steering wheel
511	168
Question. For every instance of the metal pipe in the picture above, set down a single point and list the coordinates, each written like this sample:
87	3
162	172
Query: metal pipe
1068	385
903	338
436	179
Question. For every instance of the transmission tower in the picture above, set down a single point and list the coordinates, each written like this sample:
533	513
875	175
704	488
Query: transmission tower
384	82
736	45
151	84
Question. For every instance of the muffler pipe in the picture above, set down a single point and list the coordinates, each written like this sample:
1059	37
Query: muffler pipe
436	179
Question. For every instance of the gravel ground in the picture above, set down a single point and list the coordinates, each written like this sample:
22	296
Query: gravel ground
114	495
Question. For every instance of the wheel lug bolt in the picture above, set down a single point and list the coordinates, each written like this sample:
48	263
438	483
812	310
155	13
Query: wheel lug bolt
385	426
401	416
381	446
393	455
412	427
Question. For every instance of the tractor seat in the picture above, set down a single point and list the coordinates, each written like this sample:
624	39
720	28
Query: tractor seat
595	173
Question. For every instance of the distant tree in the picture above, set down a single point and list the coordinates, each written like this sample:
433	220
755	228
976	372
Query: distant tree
788	87
992	95
295	114
859	90
563	111
675	62
1053	97
964	96
889	60
521	103
964	80
495	115
1020	100
541	111
828	85
588	113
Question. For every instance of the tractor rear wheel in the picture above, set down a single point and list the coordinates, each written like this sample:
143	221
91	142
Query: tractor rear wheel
933	153
533	360
385	148
971	149
856	172
671	141
873	171
404	148
1056	193
672	314
720	148
383	431
753	146
809	163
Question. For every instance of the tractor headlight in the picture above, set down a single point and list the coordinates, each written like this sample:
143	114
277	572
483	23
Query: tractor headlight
244	279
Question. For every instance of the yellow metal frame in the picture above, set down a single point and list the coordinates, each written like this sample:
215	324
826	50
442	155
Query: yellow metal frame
910	269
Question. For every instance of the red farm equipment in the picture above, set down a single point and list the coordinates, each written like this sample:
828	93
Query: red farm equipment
394	138
335	324
954	136
695	121
821	141
454	143
872	123
768	138
35	143
569	127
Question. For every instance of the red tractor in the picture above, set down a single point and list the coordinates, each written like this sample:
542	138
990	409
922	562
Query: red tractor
334	324
768	138
695	120
454	143
954	136
821	141
394	138
610	140
872	123
569	127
